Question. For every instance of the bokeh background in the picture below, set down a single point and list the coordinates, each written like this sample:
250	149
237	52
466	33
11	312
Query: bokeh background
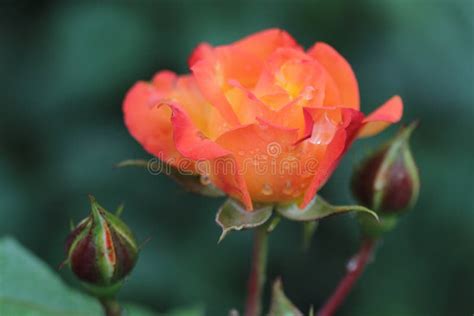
65	67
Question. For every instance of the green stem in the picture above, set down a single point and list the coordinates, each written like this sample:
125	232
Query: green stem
111	307
257	274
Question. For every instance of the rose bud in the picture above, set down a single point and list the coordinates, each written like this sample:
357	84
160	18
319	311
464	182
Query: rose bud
270	119
101	251
387	181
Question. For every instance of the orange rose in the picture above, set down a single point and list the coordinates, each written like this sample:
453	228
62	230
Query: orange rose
263	119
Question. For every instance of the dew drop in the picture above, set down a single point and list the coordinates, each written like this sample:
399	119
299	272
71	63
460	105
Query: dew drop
288	188
241	153
205	180
352	264
267	189
296	193
308	93
323	131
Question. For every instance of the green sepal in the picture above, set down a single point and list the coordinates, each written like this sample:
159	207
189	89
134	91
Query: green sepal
71	225
119	210
273	223
280	304
233	216
101	291
309	228
397	149
375	229
140	163
189	181
194	183
317	209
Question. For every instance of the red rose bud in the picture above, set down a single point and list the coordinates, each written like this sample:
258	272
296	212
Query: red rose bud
387	182
101	251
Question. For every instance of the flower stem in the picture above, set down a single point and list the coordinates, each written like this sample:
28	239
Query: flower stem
355	267
111	307
257	274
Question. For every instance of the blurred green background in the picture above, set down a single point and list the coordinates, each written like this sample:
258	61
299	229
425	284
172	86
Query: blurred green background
65	69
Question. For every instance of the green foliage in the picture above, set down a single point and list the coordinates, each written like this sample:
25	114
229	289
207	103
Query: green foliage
28	287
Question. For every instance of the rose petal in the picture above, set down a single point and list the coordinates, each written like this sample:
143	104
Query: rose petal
202	51
274	168
164	82
189	140
351	122
390	112
149	126
192	144
210	80
340	71
206	117
289	74
264	43
241	61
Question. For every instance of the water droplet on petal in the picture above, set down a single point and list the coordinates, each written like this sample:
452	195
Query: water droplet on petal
308	93
323	131
241	153
205	180
288	188
267	189
296	193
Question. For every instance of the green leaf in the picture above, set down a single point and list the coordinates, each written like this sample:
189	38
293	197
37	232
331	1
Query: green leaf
317	209
281	305
135	310
233	216
188	311
28	287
